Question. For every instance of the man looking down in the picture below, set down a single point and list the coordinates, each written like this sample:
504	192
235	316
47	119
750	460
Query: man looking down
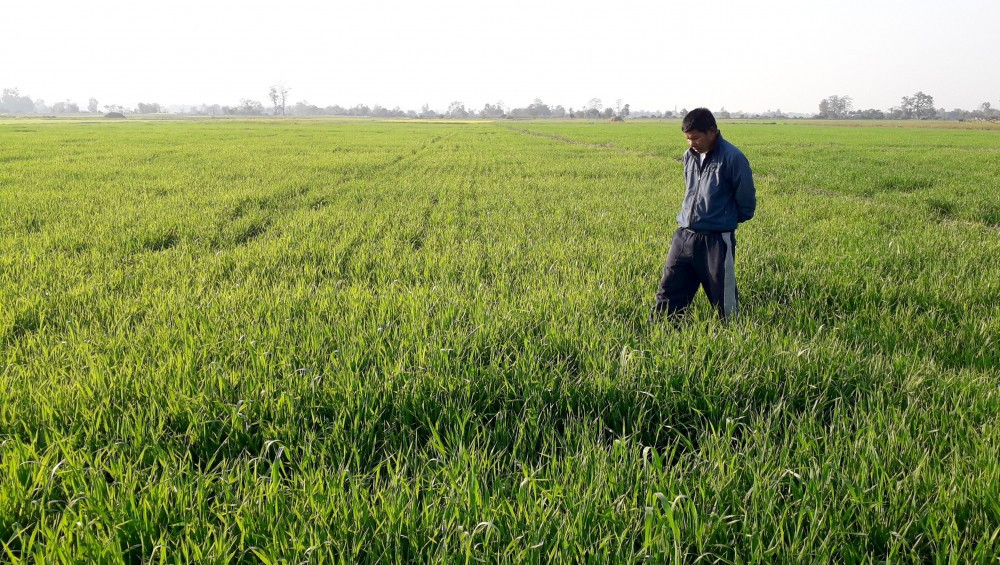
720	195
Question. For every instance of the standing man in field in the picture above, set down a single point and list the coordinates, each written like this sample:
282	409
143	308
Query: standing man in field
720	195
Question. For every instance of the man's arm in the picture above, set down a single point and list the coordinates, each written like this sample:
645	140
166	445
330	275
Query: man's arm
743	189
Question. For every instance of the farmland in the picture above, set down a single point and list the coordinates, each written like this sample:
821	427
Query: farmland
333	341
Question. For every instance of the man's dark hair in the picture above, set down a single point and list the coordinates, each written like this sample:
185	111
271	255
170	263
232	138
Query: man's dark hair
700	119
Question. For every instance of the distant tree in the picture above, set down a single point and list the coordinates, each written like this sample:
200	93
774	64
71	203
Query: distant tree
618	107
897	113
456	110
723	113
148	108
869	114
519	113
114	108
249	107
492	111
272	93
426	112
380	111
539	109
278	94
954	114
924	105
66	107
595	104
835	107
284	98
908	105
11	101
558	112
920	106
41	107
303	108
925	109
360	110
92	106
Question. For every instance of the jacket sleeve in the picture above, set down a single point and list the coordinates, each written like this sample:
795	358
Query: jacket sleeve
743	189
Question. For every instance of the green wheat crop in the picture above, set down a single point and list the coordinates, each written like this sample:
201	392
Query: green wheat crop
331	341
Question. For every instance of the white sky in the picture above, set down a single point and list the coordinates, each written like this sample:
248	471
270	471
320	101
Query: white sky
750	55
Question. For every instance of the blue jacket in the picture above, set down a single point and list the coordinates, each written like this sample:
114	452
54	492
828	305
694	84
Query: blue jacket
720	192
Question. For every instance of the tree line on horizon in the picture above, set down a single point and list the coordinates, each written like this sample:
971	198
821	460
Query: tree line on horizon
917	106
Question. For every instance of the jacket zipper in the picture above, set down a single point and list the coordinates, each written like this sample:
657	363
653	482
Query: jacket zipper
697	190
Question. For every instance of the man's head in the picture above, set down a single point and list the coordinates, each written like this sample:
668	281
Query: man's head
700	129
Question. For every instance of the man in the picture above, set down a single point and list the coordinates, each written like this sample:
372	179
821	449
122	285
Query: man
720	195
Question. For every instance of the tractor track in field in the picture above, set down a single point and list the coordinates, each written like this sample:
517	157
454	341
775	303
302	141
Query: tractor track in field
571	141
418	239
251	218
316	197
410	155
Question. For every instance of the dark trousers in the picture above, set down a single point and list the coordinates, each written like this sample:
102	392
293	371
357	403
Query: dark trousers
698	259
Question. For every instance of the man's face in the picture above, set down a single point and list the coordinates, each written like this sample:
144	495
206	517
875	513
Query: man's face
701	141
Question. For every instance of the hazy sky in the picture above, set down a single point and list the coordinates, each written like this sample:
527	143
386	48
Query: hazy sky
750	55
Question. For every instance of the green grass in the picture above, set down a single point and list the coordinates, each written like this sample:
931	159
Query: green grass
332	341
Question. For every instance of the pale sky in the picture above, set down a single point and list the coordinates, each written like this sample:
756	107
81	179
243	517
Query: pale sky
742	55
